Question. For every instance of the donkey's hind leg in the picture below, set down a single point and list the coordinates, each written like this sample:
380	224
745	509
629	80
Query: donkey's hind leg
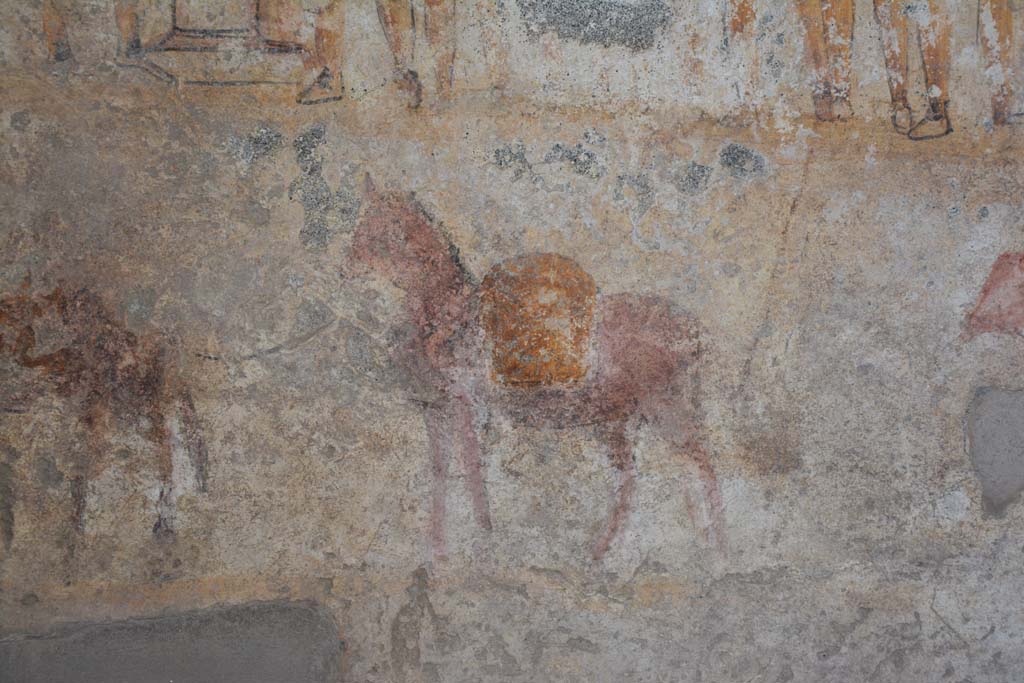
707	516
622	460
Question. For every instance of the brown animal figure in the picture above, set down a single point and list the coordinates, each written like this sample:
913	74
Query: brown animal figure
114	376
544	323
828	40
925	22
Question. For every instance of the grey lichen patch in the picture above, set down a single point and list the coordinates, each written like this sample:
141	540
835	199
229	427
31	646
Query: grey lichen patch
582	161
602	22
262	142
741	162
636	192
994	428
513	157
325	213
693	179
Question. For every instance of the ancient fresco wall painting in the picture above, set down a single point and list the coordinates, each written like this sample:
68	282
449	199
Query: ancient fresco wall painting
678	235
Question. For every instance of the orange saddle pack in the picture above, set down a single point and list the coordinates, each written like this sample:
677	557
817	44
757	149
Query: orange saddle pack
537	312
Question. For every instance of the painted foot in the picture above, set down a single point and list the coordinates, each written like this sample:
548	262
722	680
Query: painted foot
902	118
935	124
409	83
326	87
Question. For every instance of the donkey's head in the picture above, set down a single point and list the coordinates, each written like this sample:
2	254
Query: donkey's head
398	240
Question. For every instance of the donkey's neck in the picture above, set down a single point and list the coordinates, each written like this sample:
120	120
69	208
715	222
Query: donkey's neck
438	285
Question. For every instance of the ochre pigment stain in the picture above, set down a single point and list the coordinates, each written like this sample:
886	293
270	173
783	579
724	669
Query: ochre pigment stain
538	311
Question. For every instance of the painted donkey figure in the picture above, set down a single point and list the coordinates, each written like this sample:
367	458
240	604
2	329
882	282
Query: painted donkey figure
113	376
641	359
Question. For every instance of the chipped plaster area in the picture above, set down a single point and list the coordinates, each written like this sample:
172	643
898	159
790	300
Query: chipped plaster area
243	357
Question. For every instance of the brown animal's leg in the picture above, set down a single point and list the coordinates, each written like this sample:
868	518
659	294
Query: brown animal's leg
56	32
814	44
439	25
327	84
472	456
159	435
996	29
622	460
933	38
399	24
192	435
837	16
893	22
437	422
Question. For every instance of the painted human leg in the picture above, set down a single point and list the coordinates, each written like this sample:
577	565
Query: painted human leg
56	32
621	457
995	27
441	37
326	68
893	22
494	43
399	25
933	36
814	45
837	20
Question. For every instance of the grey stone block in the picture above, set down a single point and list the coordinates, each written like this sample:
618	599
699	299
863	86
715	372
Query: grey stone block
266	642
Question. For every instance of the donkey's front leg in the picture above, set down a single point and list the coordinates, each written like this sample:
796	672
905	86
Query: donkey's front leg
472	457
622	460
437	421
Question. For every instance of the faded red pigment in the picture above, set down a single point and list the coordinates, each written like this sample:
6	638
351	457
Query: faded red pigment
1000	306
640	359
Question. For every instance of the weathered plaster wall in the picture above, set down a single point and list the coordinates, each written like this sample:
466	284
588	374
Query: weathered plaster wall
240	362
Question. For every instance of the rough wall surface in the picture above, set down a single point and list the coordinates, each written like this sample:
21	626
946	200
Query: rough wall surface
581	340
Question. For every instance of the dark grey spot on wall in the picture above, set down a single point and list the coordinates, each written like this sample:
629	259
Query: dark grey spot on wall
262	142
603	22
582	161
267	642
636	192
513	157
325	213
741	162
995	443
692	179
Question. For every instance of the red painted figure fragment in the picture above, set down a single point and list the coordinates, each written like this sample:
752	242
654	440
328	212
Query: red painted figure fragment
1000	307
